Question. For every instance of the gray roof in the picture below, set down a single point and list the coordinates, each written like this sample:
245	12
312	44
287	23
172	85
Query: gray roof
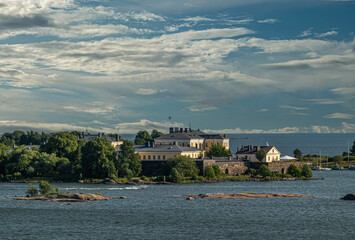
180	135
164	148
253	149
190	134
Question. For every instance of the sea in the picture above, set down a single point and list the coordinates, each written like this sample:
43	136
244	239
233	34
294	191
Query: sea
162	211
325	144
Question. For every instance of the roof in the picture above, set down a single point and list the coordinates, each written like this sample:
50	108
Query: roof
253	149
180	135
165	148
190	134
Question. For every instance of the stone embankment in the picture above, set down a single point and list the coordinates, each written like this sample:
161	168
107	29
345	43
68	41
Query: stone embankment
68	197
247	195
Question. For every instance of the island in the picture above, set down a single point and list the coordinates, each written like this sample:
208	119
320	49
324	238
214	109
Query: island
68	197
246	195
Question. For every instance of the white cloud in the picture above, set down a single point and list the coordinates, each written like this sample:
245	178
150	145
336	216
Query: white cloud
198	19
327	34
263	110
268	20
292	107
251	131
198	108
340	116
346	128
134	127
344	91
324	101
146	91
306	33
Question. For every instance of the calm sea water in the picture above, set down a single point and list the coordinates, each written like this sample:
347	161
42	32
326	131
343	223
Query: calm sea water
159	212
309	143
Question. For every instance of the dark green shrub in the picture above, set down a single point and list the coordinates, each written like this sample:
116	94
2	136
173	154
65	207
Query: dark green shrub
209	172
217	170
45	187
294	171
32	191
175	176
306	171
264	171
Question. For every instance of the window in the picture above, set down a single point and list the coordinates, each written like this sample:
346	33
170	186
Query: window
154	157
158	157
144	157
163	156
149	157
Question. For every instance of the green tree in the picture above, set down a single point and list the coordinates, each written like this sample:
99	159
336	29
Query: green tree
352	149
128	163
175	176
294	171
264	171
142	138
45	187
217	170
260	155
298	154
98	159
32	191
155	134
306	171
63	144
218	150
209	172
186	166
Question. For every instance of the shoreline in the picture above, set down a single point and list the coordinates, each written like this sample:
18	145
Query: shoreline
141	182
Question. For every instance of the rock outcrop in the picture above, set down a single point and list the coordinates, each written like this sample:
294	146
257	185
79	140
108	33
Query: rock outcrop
247	195
350	196
68	197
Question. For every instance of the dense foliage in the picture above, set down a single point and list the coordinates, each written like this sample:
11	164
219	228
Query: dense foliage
298	154
185	166
218	150
142	138
22	138
209	172
64	157
264	171
260	155
128	164
99	159
306	171
352	149
294	171
155	134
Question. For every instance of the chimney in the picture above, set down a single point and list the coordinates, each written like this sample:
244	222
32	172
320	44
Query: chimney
250	147
117	137
176	129
257	148
224	135
171	130
238	149
186	130
181	129
153	143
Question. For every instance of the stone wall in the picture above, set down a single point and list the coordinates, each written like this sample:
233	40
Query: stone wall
228	167
280	167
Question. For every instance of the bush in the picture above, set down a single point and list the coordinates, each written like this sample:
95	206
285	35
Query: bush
264	171
217	170
306	171
209	172
252	172
294	171
144	178
45	187
32	191
175	176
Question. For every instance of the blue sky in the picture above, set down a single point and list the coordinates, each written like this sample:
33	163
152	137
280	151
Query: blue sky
226	66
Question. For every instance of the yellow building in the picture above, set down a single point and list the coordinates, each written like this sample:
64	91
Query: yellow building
115	142
165	152
192	138
249	153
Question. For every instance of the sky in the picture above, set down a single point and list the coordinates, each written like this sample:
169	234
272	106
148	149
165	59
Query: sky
227	66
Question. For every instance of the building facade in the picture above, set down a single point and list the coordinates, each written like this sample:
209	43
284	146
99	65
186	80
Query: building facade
249	153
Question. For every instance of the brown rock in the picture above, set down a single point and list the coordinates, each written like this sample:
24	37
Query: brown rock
246	195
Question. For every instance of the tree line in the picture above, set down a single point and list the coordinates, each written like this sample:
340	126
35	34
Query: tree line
64	157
